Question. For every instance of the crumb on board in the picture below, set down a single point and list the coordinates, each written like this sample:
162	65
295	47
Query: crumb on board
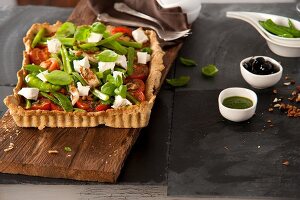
53	151
285	162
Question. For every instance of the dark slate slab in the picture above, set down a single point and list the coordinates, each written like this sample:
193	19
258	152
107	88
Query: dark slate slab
211	156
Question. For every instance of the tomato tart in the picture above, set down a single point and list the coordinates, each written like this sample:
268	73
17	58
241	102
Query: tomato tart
85	76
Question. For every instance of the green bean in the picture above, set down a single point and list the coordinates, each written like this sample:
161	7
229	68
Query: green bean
108	39
80	79
53	55
64	102
44	94
136	45
33	81
118	47
38	37
67	41
269	26
27	104
130	57
66	60
147	49
294	32
100	95
132	99
291	25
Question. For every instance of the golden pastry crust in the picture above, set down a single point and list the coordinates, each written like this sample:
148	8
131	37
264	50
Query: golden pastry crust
135	116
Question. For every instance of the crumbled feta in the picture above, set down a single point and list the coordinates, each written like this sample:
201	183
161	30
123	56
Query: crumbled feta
94	37
139	35
122	61
143	57
117	73
54	45
83	90
74	94
29	93
42	75
120	102
81	63
103	66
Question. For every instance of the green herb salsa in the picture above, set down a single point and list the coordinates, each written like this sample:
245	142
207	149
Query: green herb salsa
237	102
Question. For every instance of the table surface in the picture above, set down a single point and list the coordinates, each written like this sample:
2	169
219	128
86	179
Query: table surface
172	155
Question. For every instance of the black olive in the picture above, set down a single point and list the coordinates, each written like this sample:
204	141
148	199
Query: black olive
260	60
268	67
256	66
250	62
247	66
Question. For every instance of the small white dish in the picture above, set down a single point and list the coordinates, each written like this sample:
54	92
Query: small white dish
237	115
261	81
280	46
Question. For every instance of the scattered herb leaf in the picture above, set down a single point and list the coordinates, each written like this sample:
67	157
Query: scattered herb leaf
209	70
179	82
187	61
68	149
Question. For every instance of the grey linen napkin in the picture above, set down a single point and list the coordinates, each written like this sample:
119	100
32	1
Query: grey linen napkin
172	18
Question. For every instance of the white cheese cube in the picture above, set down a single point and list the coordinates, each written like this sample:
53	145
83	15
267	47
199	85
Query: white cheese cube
54	45
29	93
117	73
42	75
143	57
120	102
83	90
139	35
103	66
122	61
94	37
81	63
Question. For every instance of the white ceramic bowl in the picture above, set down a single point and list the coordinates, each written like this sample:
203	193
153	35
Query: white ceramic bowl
190	7
237	115
193	15
186	5
279	47
261	81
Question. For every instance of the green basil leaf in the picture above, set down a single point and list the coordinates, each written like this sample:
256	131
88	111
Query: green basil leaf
82	33
34	68
108	88
58	77
107	56
118	81
66	29
187	62
179	82
98	27
122	91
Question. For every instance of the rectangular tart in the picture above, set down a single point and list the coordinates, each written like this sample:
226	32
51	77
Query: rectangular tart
130	115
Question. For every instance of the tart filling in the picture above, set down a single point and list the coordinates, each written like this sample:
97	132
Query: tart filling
93	71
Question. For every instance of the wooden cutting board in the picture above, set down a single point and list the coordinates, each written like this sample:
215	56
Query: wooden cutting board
98	154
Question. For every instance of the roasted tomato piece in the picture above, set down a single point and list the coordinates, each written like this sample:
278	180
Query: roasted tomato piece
84	105
56	107
135	85
41	104
139	72
121	29
102	107
37	55
51	64
139	95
